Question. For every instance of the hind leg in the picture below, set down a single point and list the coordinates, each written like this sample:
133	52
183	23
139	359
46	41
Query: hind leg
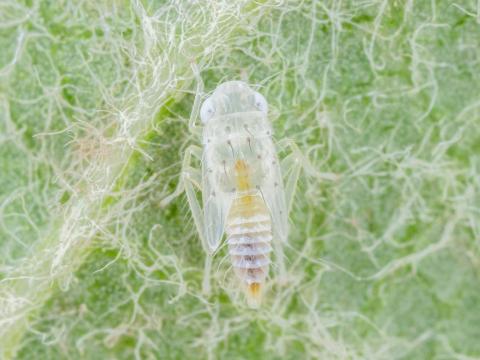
190	180
291	166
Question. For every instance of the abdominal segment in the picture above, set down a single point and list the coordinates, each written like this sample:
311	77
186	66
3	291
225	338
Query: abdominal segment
249	234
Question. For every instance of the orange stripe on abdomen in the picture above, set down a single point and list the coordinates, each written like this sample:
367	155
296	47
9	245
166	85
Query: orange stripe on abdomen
249	233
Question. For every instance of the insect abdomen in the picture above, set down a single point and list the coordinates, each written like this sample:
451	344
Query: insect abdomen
249	233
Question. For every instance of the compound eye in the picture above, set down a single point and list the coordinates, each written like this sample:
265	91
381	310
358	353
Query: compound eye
207	110
261	103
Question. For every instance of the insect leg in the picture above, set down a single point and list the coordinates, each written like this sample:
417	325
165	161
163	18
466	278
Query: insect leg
187	173
291	166
197	213
189	179
196	102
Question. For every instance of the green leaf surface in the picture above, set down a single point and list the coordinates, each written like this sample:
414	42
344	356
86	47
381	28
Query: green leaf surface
95	98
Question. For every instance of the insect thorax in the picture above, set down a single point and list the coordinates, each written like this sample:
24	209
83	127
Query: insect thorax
238	149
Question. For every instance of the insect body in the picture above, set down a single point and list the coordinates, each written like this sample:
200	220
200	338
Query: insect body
241	184
243	192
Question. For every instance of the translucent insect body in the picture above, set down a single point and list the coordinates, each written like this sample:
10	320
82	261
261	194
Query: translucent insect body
241	185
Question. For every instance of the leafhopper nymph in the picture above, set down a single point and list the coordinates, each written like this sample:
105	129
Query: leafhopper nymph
243	192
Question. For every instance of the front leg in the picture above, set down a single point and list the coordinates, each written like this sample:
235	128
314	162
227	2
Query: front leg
192	125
